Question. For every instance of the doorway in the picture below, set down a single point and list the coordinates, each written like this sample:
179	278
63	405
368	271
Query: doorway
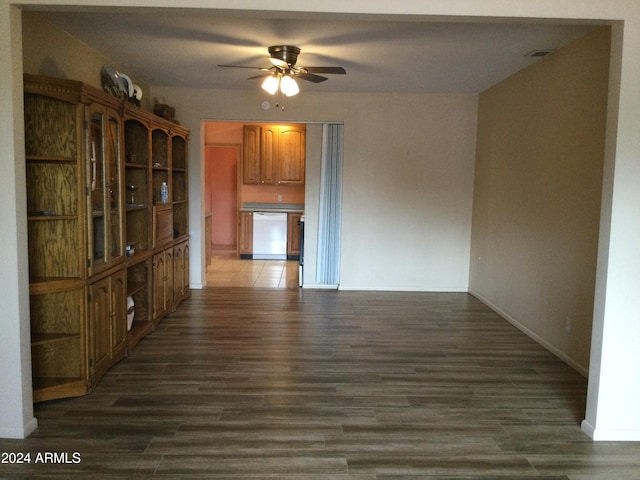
224	194
221	195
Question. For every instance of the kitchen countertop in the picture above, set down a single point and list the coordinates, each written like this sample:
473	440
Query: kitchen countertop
272	207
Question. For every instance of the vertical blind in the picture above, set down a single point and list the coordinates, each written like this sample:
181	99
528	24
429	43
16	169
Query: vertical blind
328	266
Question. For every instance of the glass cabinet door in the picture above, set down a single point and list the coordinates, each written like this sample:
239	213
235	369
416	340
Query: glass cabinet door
114	145
106	244
97	227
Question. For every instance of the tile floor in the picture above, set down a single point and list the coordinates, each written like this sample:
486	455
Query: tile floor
228	270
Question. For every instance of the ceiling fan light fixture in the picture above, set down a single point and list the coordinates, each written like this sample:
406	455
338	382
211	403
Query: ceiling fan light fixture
271	84
289	86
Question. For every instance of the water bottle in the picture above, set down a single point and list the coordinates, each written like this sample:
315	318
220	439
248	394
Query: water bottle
164	193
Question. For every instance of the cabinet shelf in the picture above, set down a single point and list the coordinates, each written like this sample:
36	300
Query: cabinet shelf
47	338
135	207
135	287
47	216
138	331
42	285
50	159
138	256
46	388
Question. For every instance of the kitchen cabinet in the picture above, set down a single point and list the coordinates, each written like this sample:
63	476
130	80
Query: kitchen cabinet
274	154
257	159
293	235
245	234
94	166
291	155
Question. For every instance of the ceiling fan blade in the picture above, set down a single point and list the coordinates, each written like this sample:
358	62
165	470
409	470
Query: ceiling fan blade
311	77
326	70
244	66
261	75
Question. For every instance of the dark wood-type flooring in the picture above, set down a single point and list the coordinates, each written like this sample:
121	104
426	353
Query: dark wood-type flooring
249	384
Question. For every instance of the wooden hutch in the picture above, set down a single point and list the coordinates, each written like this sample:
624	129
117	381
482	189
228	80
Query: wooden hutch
99	236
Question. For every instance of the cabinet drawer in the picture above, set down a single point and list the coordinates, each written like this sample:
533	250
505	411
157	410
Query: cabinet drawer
162	225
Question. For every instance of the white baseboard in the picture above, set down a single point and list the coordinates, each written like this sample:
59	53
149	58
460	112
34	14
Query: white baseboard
609	435
584	371
319	286
401	289
17	432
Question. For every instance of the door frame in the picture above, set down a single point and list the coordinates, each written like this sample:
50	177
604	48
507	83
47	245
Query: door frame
238	148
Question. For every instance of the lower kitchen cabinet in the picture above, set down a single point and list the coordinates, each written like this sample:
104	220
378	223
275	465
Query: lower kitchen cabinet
107	323
293	235
245	234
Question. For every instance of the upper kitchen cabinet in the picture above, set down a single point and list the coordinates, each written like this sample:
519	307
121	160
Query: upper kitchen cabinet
253	169
291	154
274	154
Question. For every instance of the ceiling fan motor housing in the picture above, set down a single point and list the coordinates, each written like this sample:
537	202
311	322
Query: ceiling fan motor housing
286	53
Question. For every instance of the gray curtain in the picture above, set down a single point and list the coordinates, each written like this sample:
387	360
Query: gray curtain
328	267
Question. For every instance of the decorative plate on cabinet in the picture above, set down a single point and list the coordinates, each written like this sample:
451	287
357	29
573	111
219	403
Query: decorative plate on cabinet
128	85
111	81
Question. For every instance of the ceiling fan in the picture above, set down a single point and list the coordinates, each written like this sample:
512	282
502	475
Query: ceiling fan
283	71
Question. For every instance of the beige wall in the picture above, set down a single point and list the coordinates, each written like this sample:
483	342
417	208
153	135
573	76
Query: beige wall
537	195
52	52
407	178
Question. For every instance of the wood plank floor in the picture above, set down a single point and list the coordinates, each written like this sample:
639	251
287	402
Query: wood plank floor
324	385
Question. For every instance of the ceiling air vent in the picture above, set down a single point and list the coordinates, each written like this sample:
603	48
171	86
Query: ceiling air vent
540	53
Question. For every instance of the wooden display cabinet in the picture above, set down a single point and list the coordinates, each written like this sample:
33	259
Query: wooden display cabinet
94	166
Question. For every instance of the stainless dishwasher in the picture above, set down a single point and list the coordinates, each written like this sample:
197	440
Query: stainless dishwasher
269	235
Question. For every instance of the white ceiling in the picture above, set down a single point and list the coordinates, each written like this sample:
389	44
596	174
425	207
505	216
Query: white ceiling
380	53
